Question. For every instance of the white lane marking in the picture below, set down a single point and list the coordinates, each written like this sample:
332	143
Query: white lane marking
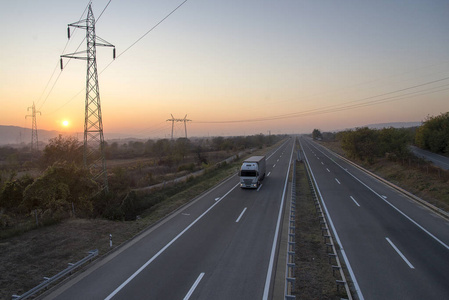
278	159
322	163
277	150
260	186
400	253
355	201
275	239
385	200
328	170
238	219
274	165
268	174
166	246
192	289
184	214
383	196
342	251
337	181
216	199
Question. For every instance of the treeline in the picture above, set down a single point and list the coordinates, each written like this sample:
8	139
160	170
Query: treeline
433	134
183	146
64	188
368	144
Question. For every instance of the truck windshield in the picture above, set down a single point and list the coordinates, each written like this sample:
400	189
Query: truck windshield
248	173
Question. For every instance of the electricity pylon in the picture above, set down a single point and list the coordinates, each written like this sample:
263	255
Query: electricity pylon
93	156
34	139
173	120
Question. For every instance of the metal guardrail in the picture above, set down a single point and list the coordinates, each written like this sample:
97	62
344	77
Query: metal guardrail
328	240
289	273
47	281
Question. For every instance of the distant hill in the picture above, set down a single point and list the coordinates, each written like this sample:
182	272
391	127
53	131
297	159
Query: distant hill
10	135
394	125
15	135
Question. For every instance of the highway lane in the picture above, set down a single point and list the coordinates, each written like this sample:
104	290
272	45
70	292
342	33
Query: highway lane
396	249
218	247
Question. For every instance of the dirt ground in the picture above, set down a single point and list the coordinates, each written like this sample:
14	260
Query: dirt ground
25	257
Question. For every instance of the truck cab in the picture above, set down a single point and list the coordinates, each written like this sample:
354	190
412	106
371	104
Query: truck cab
252	172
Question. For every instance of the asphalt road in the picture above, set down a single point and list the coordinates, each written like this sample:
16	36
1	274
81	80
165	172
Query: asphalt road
395	248
438	160
221	246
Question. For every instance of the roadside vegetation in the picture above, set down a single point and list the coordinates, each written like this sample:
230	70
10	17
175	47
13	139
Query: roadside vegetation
54	189
53	185
386	153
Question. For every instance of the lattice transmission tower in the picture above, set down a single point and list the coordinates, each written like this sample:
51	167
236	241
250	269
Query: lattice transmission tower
94	158
173	120
34	139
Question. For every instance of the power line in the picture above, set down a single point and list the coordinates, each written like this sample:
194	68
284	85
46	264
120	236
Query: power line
344	106
102	12
123	52
57	64
145	34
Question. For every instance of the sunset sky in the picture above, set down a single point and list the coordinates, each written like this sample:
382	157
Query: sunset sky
234	67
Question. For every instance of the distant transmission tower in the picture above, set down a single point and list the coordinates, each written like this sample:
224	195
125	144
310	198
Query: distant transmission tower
34	139
173	120
93	125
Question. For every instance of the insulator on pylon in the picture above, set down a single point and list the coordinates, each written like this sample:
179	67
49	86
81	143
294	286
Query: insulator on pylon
62	66
113	53
68	32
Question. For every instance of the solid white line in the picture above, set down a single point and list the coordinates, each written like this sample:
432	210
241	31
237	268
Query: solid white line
275	239
192	289
400	253
337	181
342	251
354	201
238	219
165	247
384	199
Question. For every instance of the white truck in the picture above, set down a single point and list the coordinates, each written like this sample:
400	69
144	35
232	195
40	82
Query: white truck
252	172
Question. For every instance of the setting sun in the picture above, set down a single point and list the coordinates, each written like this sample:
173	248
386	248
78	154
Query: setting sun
65	123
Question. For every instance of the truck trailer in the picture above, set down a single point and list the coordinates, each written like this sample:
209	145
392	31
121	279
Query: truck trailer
252	172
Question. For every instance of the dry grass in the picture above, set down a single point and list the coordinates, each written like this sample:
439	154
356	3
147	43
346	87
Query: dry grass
46	251
314	277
